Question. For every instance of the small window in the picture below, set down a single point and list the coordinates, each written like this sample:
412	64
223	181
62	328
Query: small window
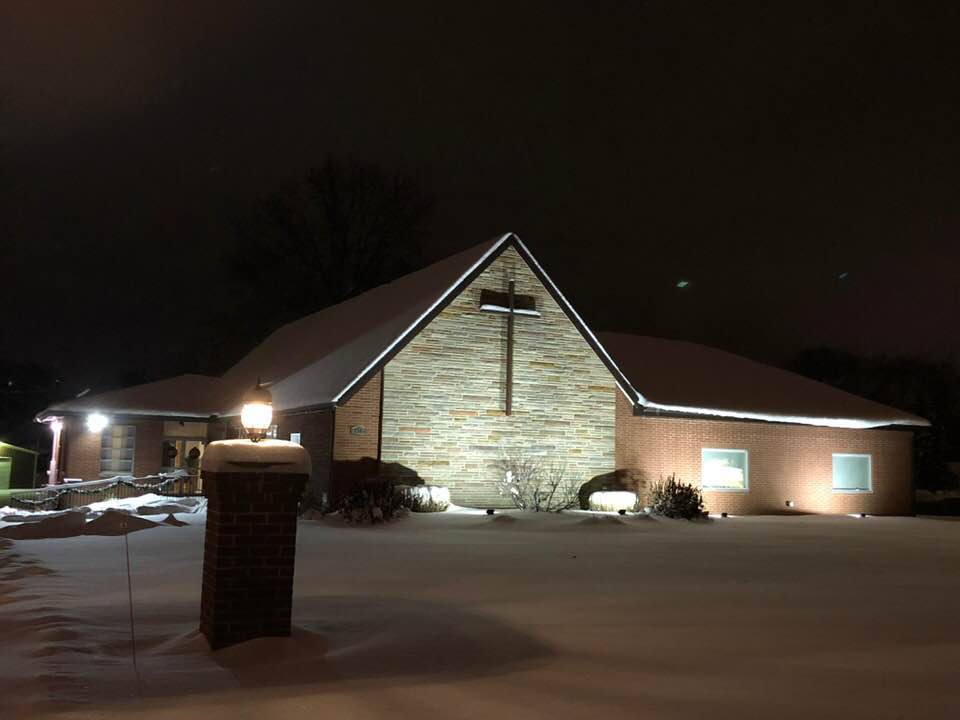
723	469
116	450
295	437
852	473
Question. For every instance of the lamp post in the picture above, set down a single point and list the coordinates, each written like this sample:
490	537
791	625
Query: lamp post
253	488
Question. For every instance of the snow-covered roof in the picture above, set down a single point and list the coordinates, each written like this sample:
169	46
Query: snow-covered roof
183	396
684	378
314	361
321	359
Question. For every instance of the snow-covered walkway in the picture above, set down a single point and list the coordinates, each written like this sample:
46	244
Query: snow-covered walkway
467	616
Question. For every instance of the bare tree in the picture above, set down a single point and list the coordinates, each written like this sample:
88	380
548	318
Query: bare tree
345	228
532	484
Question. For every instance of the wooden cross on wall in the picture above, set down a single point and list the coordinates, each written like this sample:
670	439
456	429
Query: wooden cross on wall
512	305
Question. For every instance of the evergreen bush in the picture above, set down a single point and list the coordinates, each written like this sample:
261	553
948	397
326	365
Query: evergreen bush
675	499
374	500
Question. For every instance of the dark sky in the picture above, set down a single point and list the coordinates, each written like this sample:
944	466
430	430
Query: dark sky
757	150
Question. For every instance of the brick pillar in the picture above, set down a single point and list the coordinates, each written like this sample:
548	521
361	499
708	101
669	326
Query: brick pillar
253	490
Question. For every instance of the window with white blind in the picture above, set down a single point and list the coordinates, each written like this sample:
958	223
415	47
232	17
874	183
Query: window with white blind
722	469
116	450
852	473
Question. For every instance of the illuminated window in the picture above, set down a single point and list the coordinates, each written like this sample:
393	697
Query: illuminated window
852	473
295	437
723	469
116	450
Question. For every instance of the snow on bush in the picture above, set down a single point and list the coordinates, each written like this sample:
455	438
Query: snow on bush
613	501
424	498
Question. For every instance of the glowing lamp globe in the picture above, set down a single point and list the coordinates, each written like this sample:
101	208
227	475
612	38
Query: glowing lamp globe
96	422
257	413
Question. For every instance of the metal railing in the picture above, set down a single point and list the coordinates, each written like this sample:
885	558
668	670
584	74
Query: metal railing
64	497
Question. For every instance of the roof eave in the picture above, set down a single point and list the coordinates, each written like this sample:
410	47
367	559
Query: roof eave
641	408
125	414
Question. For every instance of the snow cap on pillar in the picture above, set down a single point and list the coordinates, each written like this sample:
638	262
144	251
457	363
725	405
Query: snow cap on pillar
239	456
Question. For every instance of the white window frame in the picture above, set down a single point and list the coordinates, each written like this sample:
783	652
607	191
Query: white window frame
850	491
104	474
746	470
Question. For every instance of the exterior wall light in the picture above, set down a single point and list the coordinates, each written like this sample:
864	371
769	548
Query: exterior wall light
257	413
56	426
97	422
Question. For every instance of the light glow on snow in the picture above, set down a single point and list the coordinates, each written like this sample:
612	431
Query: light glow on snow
96	422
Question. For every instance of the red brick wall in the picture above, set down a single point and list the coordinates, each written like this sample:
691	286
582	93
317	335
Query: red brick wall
316	433
147	448
249	555
786	462
81	450
363	409
357	457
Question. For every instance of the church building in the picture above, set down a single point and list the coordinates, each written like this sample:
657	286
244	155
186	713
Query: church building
441	374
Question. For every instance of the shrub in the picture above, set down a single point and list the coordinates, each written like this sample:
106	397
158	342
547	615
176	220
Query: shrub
674	499
373	500
534	485
423	498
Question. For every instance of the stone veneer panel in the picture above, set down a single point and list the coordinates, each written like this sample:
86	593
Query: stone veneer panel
443	405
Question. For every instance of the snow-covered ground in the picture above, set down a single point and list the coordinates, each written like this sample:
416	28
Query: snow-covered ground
460	615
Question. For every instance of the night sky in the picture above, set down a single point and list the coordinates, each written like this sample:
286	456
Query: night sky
798	165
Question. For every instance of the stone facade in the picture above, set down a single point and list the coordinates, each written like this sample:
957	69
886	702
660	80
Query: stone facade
785	462
443	398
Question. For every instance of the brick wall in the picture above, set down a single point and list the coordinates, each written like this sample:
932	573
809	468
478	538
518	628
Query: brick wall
81	451
356	455
362	410
316	433
249	555
147	450
786	462
443	409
